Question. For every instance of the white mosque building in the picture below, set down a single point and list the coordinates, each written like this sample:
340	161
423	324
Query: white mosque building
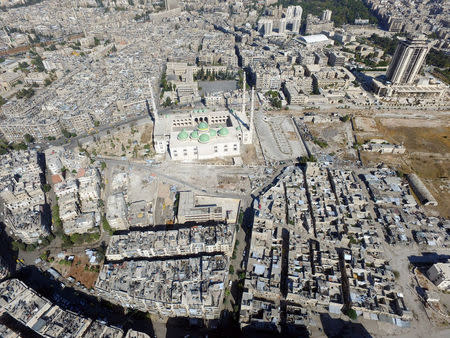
203	134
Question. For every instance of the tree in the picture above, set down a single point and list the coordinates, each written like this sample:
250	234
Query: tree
345	118
57	223
352	314
68	134
45	255
438	58
38	64
46	187
95	236
103	165
17	245
30	247
344	11
106	226
19	146
168	102
274	98
25	93
45	242
66	241
23	65
28	138
76	238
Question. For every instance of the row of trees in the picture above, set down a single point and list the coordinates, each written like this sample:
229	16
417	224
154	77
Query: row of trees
344	11
208	75
6	147
274	98
439	59
77	239
19	245
68	134
387	44
25	93
165	85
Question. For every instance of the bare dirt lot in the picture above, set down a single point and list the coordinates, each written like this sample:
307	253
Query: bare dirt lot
333	138
80	270
249	154
130	142
427	154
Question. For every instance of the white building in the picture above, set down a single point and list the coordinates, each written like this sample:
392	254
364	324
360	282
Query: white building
203	134
315	41
265	26
117	212
439	274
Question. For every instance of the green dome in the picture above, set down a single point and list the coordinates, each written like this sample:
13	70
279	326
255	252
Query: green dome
203	126
183	135
204	138
212	133
223	131
194	134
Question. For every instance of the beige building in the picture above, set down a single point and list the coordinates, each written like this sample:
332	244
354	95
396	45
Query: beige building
200	208
9	79
439	274
14	130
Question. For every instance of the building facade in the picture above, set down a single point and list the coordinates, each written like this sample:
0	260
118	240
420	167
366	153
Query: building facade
203	134
408	60
439	274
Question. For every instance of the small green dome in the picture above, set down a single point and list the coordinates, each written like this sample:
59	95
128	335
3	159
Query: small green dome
204	138
194	134
213	133
183	135
223	131
203	126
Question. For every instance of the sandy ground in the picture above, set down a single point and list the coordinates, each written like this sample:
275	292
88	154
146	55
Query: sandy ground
141	185
427	146
421	326
410	123
87	278
77	270
339	138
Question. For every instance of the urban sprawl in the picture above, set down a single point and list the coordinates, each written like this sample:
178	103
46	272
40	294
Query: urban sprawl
226	168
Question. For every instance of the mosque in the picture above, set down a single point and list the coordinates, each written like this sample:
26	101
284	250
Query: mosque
203	134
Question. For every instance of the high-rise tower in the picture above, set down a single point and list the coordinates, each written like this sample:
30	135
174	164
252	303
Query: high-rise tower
408	60
326	15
